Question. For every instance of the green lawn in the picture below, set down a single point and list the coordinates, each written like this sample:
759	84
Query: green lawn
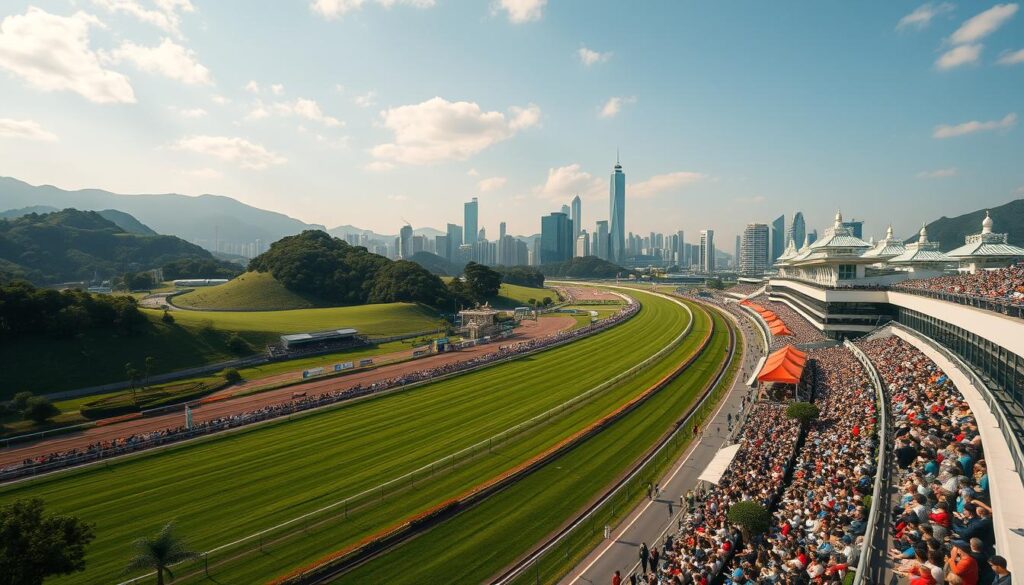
252	291
511	296
43	365
234	485
479	542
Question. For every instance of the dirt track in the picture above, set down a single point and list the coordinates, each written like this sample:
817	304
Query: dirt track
528	330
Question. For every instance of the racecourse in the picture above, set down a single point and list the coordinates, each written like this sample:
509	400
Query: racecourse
227	488
481	541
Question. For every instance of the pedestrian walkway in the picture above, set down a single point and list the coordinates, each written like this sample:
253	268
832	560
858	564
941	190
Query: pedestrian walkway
656	516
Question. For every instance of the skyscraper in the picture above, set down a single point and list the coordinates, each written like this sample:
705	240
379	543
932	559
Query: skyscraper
681	250
778	243
502	251
556	243
601	249
856	226
707	251
470	226
405	242
754	249
617	214
582	243
577	220
736	258
454	241
797	230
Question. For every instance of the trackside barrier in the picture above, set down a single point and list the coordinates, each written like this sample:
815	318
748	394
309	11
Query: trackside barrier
342	509
306	406
872	552
577	538
340	561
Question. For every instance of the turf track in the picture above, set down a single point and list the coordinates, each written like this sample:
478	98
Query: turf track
476	544
230	487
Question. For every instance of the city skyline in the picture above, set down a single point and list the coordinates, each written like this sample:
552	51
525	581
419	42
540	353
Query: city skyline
334	142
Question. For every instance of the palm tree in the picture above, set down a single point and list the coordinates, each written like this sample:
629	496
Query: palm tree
159	553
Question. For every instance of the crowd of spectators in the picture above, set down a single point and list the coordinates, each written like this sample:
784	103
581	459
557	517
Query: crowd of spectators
135	442
942	524
816	492
745	288
803	331
1003	284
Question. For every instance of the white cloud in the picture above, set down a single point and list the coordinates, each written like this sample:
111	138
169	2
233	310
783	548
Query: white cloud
379	166
52	53
220	100
299	107
191	113
520	11
165	16
957	56
938	173
25	129
564	182
664	183
946	131
1012	58
277	89
590	57
438	130
923	15
332	9
491	184
981	25
366	100
168	59
252	87
240	151
614	105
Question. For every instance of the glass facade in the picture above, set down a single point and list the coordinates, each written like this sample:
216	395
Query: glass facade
1001	370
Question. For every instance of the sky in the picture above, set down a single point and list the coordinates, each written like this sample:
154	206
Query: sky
378	112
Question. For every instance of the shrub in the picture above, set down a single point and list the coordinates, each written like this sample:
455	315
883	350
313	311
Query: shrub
168	317
39	409
232	376
752	518
237	344
804	412
20	401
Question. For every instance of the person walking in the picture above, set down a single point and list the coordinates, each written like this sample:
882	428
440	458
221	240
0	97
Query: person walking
616	579
670	508
650	491
645	555
657	490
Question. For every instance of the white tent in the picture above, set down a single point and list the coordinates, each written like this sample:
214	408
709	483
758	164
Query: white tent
713	472
752	381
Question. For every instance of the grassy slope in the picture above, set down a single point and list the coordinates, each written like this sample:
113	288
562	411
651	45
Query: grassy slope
476	544
511	296
44	365
254	291
235	485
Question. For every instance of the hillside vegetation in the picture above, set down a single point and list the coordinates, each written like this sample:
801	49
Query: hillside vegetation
950	231
252	291
79	245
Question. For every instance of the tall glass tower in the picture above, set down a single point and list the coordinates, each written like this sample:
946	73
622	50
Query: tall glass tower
617	214
577	221
797	230
470	226
778	243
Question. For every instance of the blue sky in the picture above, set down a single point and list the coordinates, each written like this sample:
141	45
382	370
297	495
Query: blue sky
369	112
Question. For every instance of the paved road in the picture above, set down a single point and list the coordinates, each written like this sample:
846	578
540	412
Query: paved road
21	451
651	519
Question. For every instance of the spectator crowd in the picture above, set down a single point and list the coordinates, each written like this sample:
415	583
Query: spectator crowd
138	441
1003	284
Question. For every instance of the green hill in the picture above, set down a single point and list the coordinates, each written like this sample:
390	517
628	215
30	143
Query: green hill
950	231
252	291
72	245
585	267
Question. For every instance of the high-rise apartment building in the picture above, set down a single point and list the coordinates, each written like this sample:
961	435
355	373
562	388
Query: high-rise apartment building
754	250
707	251
736	258
556	243
576	217
617	214
470	223
778	239
454	241
602	233
582	244
405	242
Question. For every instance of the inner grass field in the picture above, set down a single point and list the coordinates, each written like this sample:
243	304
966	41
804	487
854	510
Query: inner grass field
235	485
511	296
478	543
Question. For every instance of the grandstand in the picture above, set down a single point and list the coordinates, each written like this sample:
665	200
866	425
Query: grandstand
321	340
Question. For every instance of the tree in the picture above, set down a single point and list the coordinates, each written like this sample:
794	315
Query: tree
547	301
752	518
804	412
168	317
237	344
715	283
483	283
20	401
133	376
159	553
35	545
39	409
232	376
532	302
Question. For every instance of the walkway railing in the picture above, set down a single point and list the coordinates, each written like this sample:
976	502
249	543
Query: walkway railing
872	553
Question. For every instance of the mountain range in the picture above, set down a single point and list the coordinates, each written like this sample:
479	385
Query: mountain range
950	231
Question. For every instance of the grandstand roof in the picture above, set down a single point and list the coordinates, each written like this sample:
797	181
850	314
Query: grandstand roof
785	366
317	336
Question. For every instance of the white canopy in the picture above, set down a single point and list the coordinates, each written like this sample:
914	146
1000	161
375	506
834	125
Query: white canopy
752	382
713	472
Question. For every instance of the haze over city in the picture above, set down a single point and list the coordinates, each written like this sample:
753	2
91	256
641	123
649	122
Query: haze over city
365	113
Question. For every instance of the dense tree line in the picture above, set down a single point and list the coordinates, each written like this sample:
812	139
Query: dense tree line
200	268
521	275
585	267
27	310
72	245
